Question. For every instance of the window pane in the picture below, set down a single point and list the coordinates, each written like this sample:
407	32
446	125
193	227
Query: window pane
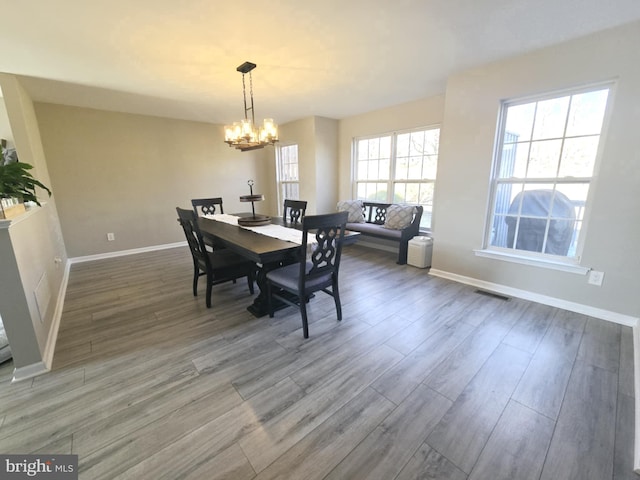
362	173
415	168
399	192
402	145
430	167
372	168
498	235
579	156
587	113
507	164
287	172
402	168
426	194
383	172
363	149
505	194
521	160
577	194
385	147
519	123
550	119
374	149
544	158
427	213
290	191
431	141
416	146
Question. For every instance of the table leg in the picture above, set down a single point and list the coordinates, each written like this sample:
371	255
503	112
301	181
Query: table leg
260	305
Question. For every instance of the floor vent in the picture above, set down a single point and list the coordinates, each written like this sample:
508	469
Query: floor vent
492	294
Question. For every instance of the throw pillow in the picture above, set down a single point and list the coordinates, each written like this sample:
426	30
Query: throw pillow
354	207
399	216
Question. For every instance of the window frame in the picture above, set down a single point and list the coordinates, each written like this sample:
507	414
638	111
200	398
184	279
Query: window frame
279	174
392	180
557	262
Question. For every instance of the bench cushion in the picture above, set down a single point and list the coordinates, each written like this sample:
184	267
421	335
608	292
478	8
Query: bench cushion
374	230
354	207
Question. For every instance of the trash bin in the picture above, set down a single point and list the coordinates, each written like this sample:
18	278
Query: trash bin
419	254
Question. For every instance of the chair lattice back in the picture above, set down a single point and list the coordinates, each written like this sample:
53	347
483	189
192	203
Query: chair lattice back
207	206
326	250
294	210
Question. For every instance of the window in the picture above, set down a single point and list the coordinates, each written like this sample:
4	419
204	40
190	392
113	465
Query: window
287	173
398	168
543	170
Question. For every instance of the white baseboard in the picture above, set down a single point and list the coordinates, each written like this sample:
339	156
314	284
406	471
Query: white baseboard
29	371
57	316
636	389
122	253
600	313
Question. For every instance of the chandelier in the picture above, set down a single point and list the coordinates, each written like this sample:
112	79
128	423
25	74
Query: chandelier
244	135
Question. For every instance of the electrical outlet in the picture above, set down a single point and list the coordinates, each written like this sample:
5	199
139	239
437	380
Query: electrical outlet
596	277
111	237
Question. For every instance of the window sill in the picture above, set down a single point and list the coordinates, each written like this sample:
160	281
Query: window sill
536	262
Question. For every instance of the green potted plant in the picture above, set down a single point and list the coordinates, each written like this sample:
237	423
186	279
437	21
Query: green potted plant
16	182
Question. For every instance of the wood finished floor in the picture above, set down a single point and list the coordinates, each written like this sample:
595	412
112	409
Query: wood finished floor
423	379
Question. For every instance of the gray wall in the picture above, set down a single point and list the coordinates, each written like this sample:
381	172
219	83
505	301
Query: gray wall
462	190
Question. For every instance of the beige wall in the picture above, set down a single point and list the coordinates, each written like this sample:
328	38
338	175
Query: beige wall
466	147
5	128
326	164
317	139
301	133
123	173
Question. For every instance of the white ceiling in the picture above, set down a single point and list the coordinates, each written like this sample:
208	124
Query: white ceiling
333	58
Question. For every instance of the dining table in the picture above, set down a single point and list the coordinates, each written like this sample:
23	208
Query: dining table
267	252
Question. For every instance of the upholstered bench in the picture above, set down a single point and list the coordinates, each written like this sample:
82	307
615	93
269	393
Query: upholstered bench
397	222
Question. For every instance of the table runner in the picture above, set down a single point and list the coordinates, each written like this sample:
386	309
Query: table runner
274	231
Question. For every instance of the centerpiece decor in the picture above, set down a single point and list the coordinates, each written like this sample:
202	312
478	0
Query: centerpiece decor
254	220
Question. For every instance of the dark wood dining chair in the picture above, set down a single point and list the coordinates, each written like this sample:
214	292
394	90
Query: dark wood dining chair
294	210
218	266
207	206
319	273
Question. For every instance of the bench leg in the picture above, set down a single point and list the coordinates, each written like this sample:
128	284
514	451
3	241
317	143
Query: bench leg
402	253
